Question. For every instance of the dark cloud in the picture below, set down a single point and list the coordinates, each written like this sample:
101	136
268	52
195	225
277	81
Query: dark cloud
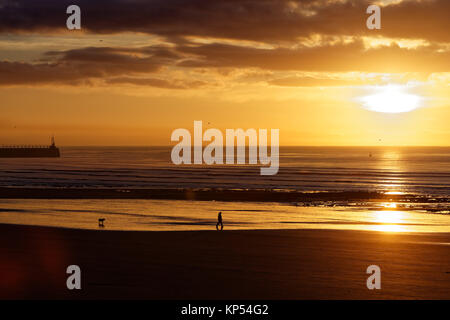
133	65
342	57
111	60
17	73
262	20
82	65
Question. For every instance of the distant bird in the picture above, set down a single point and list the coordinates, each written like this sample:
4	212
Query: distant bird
101	222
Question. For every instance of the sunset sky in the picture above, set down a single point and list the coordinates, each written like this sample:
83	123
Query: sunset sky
140	69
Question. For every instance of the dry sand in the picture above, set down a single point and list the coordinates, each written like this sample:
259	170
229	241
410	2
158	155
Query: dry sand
260	264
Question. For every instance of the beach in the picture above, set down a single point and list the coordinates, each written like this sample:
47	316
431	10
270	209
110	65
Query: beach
233	264
310	232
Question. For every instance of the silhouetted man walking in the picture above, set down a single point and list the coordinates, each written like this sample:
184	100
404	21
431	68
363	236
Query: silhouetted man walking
219	221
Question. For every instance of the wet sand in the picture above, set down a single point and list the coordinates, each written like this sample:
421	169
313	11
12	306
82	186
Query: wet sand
259	264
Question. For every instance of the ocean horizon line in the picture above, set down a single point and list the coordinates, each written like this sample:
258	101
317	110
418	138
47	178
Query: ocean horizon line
281	146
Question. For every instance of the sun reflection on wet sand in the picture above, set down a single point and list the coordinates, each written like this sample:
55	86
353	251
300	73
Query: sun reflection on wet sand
389	221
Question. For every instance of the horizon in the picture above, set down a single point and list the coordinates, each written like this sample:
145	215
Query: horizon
204	145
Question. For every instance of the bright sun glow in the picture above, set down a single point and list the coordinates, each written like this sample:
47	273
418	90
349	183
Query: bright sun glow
389	221
391	99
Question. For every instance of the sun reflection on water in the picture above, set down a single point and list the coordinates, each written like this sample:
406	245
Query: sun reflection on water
391	205
394	193
390	162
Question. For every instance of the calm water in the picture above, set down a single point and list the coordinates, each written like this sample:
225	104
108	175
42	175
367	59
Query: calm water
412	170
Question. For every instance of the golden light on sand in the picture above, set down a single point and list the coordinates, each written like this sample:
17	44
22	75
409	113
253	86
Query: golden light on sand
389	221
391	99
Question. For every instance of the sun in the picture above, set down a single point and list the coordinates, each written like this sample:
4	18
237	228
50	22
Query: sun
391	99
